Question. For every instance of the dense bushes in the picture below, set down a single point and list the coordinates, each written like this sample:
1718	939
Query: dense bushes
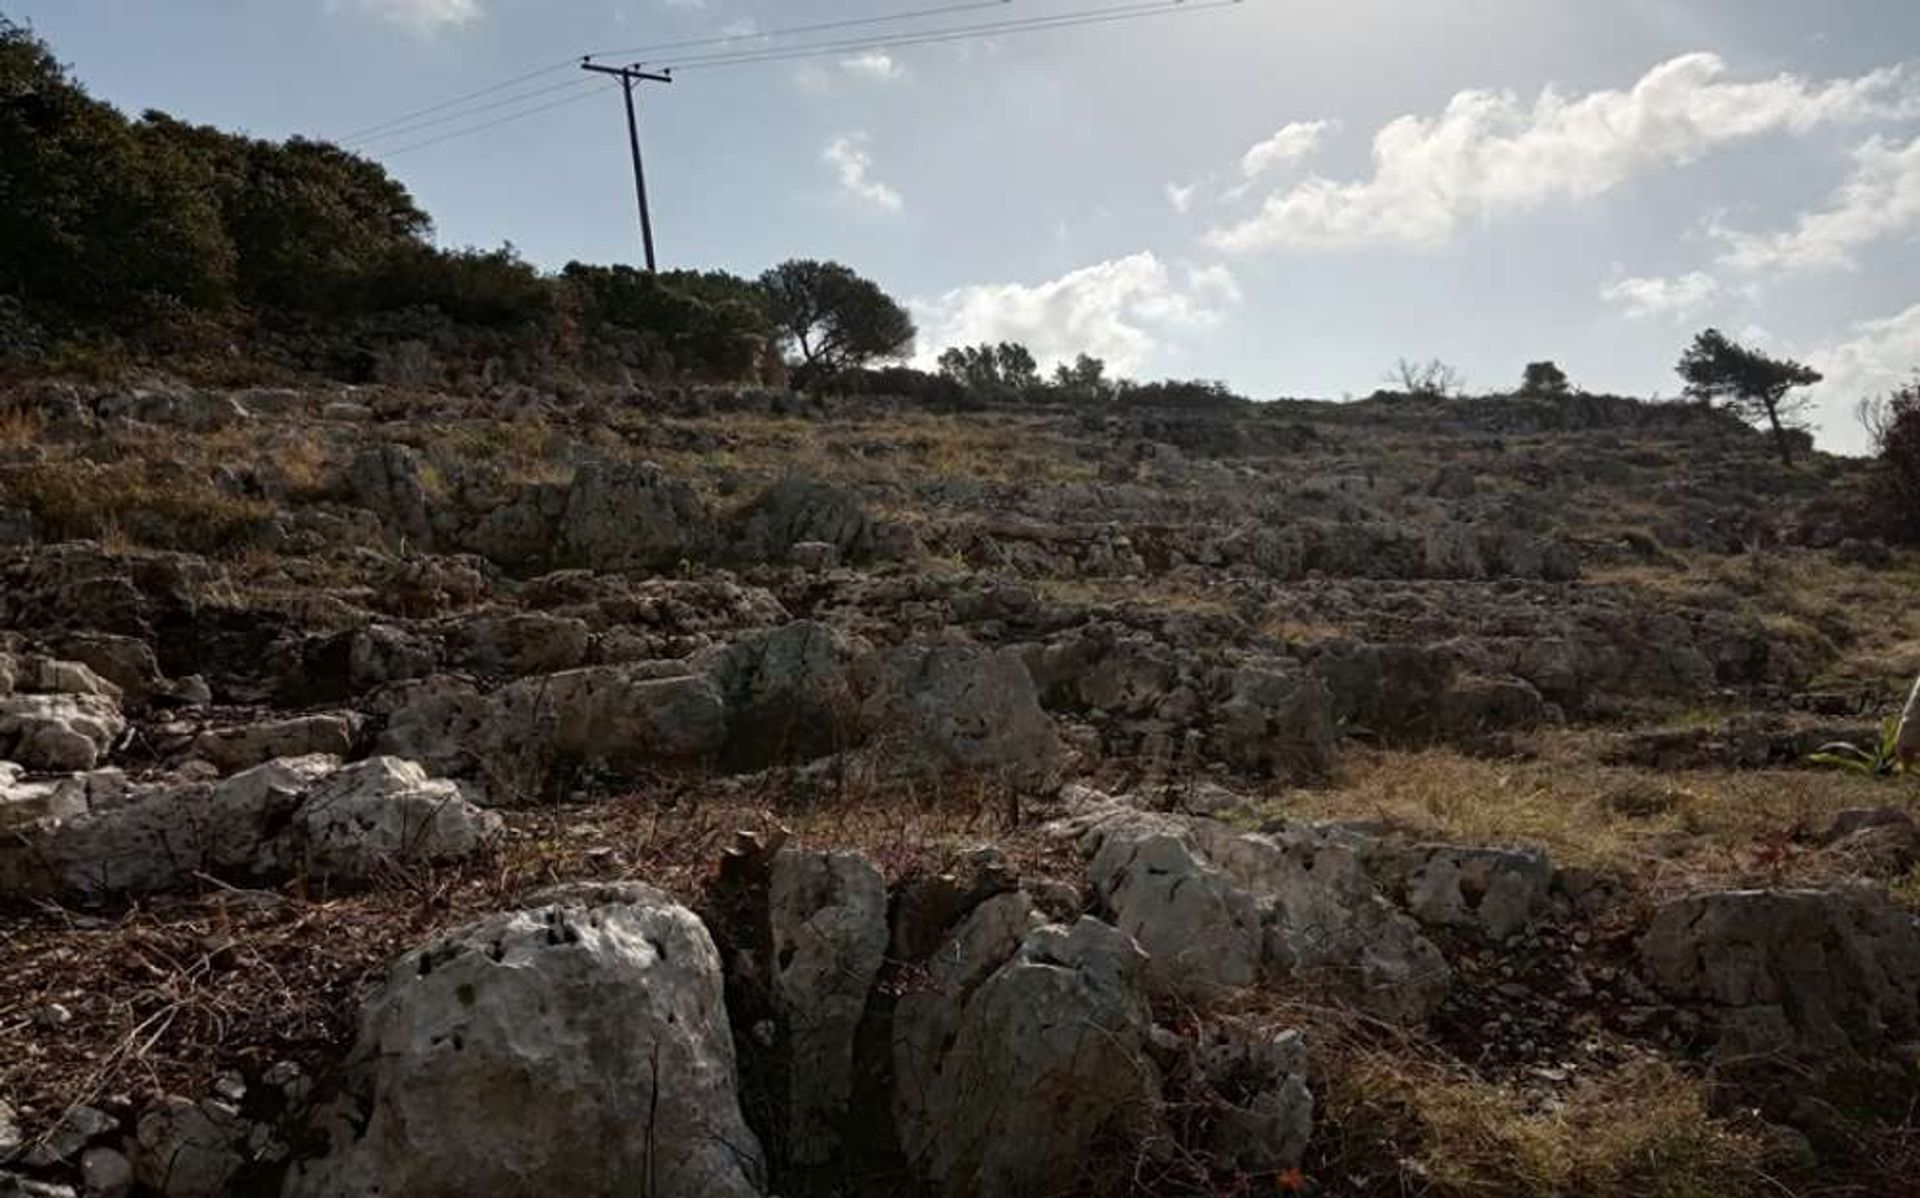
153	237
1894	423
709	323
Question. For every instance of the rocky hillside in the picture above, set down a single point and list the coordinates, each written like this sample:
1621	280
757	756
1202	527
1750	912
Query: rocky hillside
690	791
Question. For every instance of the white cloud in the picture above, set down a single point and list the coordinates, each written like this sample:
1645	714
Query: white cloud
1676	298
1291	143
1880	198
850	160
1181	195
873	64
1881	355
419	14
1489	152
1117	310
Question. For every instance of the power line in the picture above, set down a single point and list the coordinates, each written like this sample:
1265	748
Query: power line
413	127
1096	16
1074	20
481	128
404	118
409	118
791	30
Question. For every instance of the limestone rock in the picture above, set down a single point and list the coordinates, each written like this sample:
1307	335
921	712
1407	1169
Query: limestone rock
1047	1061
188	1149
1495	892
827	914
1217	908
309	813
1824	978
632	517
960	707
61	732
247	745
578	1047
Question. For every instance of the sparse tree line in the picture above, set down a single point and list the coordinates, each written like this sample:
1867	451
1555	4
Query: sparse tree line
157	237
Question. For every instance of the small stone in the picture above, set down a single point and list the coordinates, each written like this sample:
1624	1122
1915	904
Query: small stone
52	1015
106	1173
75	1130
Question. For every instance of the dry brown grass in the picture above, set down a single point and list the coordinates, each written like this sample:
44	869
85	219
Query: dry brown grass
1681	830
1419	1126
20	427
74	500
1860	620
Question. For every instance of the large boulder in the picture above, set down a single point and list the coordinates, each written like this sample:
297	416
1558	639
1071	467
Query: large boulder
633	517
304	813
1029	1070
615	715
56	715
59	733
1492	891
959	707
804	935
578	1047
1218	909
799	511
1277	722
1809	979
789	694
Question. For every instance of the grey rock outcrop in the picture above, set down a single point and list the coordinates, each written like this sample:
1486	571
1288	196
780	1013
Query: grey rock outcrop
1025	1051
633	517
576	1047
1251	1082
959	707
1492	891
311	813
246	745
58	716
827	918
1219	909
1817	979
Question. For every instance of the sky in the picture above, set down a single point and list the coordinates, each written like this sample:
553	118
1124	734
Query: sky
1284	195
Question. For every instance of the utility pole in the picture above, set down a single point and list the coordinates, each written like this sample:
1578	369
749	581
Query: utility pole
630	78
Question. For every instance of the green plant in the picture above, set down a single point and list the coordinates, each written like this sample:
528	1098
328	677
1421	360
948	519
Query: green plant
1881	760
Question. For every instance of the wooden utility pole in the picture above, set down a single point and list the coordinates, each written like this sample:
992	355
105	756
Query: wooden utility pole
630	78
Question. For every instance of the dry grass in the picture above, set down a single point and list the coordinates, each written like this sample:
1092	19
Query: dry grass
71	500
1669	830
1418	1126
20	427
1860	620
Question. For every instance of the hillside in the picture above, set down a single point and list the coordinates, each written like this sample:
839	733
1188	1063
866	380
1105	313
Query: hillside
1467	739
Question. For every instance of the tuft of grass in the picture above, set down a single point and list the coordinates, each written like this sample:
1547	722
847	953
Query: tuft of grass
124	503
1706	827
1643	1128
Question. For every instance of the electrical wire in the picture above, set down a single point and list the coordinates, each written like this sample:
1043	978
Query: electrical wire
409	118
1074	20
503	85
415	127
1095	16
791	30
